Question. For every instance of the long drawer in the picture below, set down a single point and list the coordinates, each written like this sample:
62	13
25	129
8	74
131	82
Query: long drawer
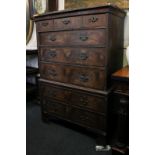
76	115
87	118
90	102
81	76
74	97
78	37
82	56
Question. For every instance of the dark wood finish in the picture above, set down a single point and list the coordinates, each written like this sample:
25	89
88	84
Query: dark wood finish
87	118
45	25
67	23
81	37
77	22
79	56
94	91
81	76
111	37
83	11
78	51
54	107
91	102
120	112
95	21
55	92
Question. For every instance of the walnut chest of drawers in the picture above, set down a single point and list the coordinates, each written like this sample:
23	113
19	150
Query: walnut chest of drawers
78	51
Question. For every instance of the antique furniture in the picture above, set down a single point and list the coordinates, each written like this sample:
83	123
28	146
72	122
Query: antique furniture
120	110
78	51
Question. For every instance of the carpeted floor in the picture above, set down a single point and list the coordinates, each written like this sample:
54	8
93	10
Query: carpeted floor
53	138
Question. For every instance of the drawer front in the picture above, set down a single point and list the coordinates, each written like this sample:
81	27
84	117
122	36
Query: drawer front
82	56
87	118
58	93
67	23
81	37
82	76
44	26
92	21
94	103
52	107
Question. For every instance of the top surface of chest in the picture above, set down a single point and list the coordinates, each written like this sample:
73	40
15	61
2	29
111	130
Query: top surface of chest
83	11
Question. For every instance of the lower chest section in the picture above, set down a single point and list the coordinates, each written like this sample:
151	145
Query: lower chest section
79	107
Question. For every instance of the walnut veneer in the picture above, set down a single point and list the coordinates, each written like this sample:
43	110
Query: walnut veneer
78	51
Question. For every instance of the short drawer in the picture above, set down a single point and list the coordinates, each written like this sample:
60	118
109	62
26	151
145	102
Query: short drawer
82	56
46	25
97	20
53	107
82	76
67	23
88	101
80	37
87	119
58	93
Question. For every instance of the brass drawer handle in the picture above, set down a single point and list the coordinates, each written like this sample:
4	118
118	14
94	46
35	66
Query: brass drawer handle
52	38
83	37
83	56
66	21
84	78
44	24
93	19
52	54
52	72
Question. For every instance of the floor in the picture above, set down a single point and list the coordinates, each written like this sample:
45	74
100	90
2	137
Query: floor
55	138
